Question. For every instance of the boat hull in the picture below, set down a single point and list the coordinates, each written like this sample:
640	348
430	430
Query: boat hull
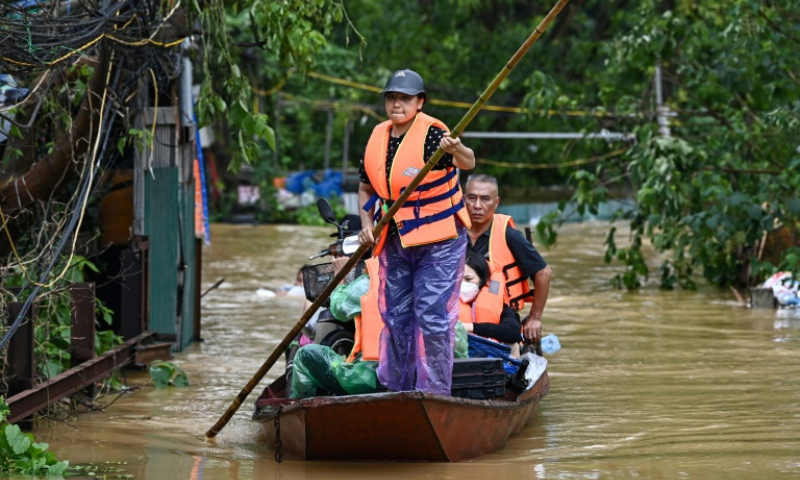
396	426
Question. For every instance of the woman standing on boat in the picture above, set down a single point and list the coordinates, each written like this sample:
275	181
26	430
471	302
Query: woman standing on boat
422	250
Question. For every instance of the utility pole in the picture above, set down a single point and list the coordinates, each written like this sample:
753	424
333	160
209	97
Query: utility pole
662	111
276	114
346	146
329	137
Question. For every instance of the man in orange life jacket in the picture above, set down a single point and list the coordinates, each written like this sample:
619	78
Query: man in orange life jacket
495	236
422	251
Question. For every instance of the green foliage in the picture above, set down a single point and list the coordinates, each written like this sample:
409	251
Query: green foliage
20	454
54	318
164	373
142	139
707	195
309	215
289	34
704	197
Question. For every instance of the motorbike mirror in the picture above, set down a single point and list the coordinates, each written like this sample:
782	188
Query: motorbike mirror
326	211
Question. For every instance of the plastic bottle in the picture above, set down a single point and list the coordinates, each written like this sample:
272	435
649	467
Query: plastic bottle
550	344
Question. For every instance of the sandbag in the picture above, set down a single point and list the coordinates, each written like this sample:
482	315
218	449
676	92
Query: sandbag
461	347
346	298
318	370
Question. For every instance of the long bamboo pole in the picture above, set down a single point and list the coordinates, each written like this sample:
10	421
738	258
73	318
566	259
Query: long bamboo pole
240	398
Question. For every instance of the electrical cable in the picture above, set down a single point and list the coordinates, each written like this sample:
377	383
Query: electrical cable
545	166
74	220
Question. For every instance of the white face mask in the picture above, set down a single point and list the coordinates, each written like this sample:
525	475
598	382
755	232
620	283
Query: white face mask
469	291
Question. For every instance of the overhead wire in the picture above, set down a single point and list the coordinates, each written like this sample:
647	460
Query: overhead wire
74	224
38	40
465	105
91	164
545	166
131	36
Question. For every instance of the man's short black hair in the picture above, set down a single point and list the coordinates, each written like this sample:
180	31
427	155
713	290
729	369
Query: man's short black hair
481	178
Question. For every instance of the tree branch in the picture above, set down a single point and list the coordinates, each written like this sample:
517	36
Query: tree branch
753	171
777	28
38	182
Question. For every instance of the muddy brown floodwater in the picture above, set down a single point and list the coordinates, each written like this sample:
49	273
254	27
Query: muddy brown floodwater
649	384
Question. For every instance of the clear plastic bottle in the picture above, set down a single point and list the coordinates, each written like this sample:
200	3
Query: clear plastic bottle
550	344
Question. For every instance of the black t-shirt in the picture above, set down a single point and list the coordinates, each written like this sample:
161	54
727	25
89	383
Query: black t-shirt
508	331
432	141
526	255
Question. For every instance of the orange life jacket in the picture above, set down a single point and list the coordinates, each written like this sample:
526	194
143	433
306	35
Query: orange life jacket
369	324
487	306
427	216
518	291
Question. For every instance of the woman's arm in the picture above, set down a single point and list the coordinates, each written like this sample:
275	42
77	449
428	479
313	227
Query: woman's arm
507	331
463	156
365	192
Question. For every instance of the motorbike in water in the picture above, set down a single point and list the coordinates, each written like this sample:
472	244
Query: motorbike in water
323	328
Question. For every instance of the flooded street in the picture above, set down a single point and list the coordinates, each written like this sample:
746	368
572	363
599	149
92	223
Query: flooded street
648	384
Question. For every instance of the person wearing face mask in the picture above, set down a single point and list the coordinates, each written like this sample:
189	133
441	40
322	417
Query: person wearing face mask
495	236
481	307
422	250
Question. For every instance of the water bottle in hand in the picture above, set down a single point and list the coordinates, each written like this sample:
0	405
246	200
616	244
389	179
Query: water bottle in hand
550	344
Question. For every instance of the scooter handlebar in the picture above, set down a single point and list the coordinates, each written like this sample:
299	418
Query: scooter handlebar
321	253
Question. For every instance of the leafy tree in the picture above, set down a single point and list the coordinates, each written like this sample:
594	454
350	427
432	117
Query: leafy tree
709	194
287	33
727	178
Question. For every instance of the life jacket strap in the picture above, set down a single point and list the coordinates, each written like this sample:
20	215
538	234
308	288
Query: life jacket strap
436	183
407	226
514	302
421	202
420	188
371	202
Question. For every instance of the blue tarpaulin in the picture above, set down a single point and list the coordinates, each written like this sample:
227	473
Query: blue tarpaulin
480	347
327	183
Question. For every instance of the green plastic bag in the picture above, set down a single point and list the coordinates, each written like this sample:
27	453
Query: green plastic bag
318	370
346	298
461	347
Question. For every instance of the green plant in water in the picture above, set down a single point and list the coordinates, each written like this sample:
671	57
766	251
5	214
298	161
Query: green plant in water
165	373
19	452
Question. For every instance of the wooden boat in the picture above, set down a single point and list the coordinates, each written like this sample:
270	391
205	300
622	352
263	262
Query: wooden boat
394	426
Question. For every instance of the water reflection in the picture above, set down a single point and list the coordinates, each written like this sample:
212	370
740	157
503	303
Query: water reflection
649	384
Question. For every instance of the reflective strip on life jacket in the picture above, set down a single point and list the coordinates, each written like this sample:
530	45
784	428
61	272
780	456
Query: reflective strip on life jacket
518	290
369	324
425	217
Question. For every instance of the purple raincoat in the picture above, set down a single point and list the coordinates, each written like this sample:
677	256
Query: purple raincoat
419	304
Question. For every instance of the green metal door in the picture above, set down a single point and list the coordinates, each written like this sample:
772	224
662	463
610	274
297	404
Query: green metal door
161	226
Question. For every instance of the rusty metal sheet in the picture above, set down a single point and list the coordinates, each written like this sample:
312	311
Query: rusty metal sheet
21	363
83	328
31	401
131	304
144	354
